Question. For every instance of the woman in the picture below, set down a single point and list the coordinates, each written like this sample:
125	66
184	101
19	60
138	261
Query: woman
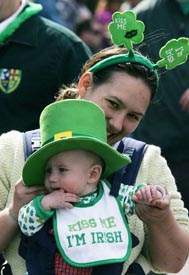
124	90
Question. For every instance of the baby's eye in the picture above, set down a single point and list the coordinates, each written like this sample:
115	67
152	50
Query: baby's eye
48	171
62	169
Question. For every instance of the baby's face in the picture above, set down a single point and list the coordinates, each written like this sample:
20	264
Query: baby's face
69	171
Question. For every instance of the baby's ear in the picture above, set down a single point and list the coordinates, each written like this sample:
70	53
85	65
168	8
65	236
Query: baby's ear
95	173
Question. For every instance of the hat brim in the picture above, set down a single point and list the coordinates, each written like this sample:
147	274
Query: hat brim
34	168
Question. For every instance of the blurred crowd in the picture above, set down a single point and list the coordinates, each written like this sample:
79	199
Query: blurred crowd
88	19
33	79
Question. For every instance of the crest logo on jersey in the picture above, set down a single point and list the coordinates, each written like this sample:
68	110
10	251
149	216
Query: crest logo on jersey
9	80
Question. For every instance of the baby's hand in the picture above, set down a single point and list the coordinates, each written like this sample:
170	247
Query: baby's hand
59	199
152	204
149	194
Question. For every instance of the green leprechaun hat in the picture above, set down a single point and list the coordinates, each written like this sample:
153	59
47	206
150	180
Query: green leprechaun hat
68	125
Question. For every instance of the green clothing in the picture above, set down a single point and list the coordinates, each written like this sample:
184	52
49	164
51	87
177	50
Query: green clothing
185	7
93	209
42	55
32	216
165	123
153	169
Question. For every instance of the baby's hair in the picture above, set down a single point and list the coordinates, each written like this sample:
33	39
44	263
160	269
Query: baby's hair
95	158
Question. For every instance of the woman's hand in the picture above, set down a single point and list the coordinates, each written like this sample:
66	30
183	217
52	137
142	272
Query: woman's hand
152	206
22	195
167	240
154	213
9	216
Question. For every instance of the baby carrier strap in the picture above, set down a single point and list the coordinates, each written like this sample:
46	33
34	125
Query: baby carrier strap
135	149
32	142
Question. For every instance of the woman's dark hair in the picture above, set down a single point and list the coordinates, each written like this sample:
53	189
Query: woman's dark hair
148	76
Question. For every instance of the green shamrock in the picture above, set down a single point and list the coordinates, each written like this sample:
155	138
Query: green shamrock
31	228
174	53
25	227
31	220
126	30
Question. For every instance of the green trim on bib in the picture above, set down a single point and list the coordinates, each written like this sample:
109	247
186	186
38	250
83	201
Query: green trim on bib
91	198
97	234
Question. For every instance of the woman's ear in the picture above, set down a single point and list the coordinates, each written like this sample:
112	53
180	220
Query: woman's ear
85	82
95	173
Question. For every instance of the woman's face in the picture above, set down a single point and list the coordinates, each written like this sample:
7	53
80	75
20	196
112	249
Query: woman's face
124	100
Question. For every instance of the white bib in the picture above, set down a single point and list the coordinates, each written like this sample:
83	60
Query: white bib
94	234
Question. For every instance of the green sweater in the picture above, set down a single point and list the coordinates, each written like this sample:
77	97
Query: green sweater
165	123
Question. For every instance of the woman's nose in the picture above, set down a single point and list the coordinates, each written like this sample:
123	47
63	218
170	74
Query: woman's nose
117	123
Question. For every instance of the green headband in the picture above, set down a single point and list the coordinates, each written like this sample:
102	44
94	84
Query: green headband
126	30
129	57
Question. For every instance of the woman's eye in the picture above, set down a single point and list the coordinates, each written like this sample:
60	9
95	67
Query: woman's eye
134	117
113	104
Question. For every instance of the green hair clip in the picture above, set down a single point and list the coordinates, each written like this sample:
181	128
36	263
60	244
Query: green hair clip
126	30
